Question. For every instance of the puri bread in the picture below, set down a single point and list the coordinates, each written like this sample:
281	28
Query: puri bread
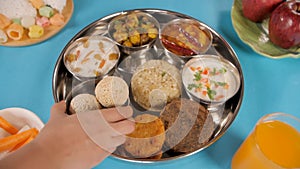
155	83
148	137
188	125
112	91
84	102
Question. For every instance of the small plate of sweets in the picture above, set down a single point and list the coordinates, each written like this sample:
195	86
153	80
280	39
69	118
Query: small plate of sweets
28	22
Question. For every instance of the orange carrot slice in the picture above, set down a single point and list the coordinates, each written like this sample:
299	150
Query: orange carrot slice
33	135
9	142
7	126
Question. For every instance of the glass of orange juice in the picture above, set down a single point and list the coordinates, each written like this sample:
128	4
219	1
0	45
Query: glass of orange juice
274	143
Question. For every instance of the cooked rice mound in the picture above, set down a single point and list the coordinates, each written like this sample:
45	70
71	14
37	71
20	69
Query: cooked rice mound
155	83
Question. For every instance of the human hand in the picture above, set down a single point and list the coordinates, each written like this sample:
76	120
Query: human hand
77	141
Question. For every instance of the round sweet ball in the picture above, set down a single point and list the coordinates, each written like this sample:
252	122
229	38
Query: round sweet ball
112	91
84	102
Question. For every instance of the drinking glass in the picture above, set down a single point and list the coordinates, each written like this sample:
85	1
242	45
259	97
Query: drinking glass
274	143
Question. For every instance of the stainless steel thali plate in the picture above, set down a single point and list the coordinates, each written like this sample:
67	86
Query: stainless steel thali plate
223	115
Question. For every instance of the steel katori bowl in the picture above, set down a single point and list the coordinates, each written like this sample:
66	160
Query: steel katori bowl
134	31
91	57
210	79
185	38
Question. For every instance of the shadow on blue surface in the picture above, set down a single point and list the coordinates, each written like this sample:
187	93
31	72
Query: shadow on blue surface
223	150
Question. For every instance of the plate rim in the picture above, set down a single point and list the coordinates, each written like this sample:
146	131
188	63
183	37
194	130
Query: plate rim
15	110
230	49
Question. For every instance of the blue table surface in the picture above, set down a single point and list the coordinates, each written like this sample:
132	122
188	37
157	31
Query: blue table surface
270	85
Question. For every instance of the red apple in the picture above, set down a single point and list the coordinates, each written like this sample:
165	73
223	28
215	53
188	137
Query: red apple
284	24
258	10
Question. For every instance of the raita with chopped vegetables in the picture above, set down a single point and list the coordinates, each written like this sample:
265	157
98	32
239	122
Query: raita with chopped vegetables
210	79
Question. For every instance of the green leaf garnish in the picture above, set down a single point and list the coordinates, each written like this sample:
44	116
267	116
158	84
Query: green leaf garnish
211	93
197	76
223	70
221	83
214	72
192	86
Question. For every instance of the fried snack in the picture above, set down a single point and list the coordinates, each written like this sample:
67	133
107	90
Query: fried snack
15	31
57	19
112	91
84	102
157	156
37	3
148	137
3	36
188	125
4	21
120	151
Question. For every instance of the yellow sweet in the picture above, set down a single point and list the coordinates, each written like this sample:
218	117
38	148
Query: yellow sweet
35	31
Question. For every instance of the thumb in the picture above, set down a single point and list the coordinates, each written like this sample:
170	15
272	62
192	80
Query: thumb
58	110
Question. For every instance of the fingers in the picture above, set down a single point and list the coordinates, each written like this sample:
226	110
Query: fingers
117	118
118	140
58	110
117	114
107	142
110	150
108	128
123	127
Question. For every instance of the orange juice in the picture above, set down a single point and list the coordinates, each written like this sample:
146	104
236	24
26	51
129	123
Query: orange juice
273	144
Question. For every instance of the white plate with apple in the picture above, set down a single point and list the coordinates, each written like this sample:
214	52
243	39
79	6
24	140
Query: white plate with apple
258	25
